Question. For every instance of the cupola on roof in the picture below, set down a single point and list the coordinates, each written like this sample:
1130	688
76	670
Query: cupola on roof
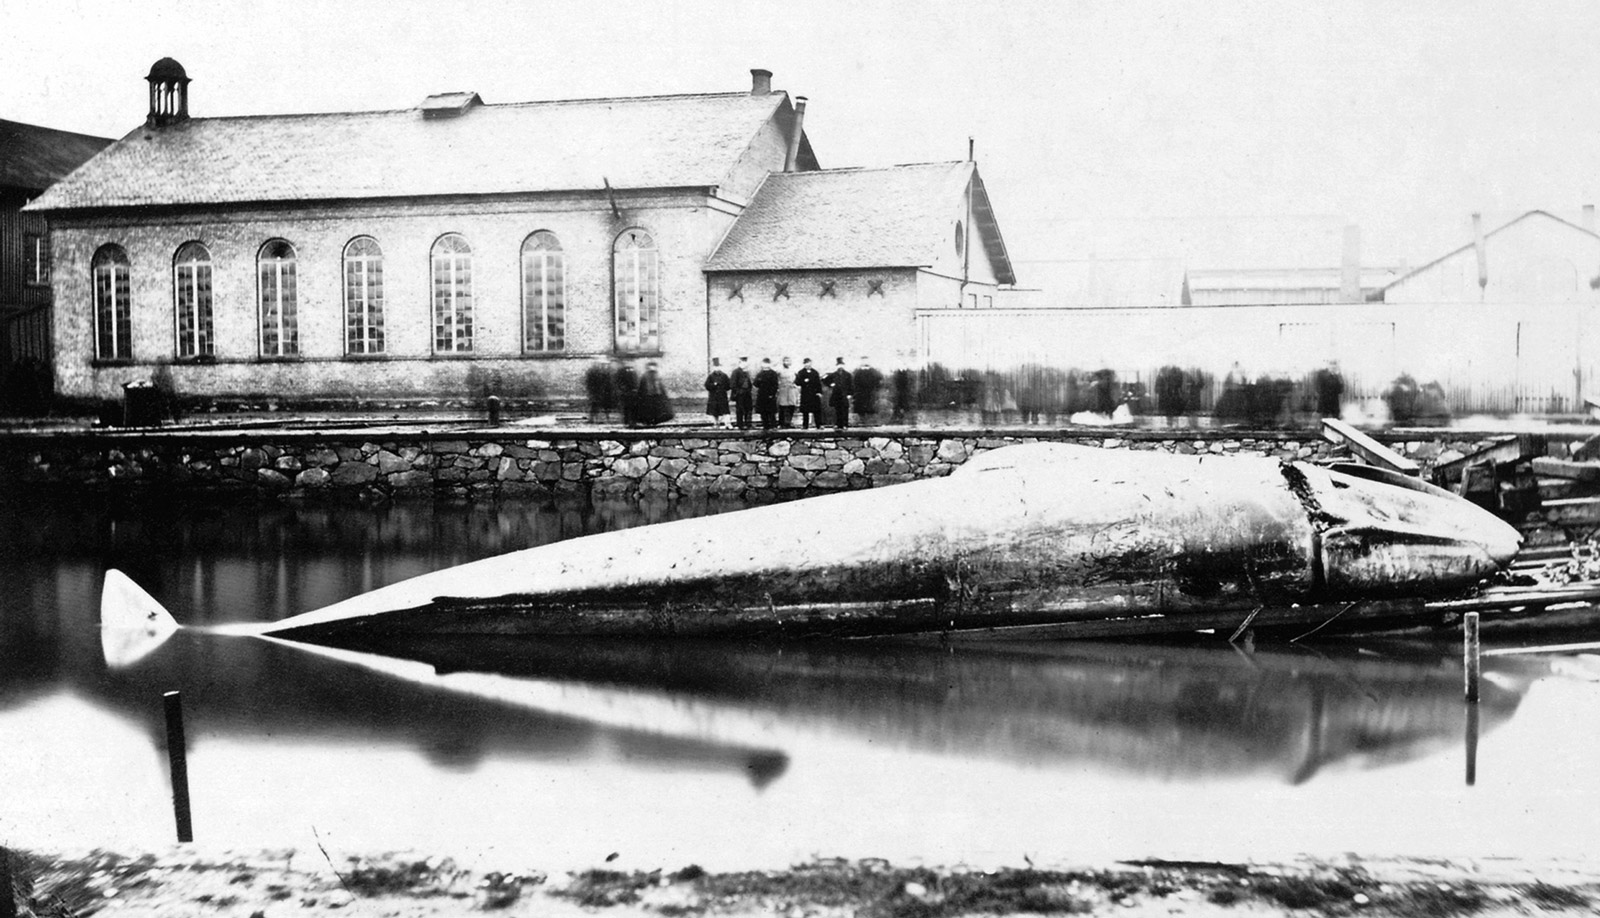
166	70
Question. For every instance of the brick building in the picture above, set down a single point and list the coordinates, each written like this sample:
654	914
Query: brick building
460	247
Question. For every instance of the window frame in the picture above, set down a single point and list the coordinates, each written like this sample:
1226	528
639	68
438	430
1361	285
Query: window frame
287	308
203	337
374	337
458	297
541	295
35	260
643	336
114	259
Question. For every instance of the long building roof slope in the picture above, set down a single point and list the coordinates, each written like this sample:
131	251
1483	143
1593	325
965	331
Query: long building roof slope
34	157
642	142
895	216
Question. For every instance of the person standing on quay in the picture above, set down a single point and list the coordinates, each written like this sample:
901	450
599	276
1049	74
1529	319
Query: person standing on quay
741	384
788	395
864	386
809	382
839	401
627	394
654	405
601	386
767	394
717	386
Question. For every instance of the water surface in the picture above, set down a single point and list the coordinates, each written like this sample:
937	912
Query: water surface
557	754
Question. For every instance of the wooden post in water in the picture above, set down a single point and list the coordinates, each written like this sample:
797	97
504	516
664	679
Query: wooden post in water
1470	656
1472	744
178	759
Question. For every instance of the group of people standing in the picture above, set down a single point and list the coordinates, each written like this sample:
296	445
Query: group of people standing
776	393
642	400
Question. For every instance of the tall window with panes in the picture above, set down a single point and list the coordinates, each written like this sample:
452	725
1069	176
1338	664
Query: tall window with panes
452	295
363	296
275	281
113	313
636	288
191	301
544	294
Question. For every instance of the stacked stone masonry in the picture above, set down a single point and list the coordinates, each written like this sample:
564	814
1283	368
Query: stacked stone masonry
499	464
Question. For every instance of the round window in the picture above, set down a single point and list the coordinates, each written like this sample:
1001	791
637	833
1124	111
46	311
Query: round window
961	239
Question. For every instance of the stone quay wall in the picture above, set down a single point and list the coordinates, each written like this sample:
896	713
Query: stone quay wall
489	464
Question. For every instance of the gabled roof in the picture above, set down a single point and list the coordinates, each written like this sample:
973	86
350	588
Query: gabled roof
35	158
642	142
1499	229
896	216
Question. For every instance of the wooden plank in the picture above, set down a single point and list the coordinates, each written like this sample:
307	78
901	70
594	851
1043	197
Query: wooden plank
1370	450
1504	451
1551	467
1573	511
1276	618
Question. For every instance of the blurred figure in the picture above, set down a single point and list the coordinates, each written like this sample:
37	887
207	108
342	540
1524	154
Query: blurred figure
626	384
1327	386
654	405
809	382
864	385
839	397
788	395
742	386
901	412
717	386
766	386
599	383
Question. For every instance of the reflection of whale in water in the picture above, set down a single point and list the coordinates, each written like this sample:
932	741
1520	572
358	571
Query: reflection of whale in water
259	688
1169	712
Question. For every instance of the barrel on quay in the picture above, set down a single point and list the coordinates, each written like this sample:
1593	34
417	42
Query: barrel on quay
1034	535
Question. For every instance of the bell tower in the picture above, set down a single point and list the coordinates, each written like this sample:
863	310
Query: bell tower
169	93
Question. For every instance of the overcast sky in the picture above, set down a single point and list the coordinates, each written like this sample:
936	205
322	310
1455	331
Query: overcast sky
1104	128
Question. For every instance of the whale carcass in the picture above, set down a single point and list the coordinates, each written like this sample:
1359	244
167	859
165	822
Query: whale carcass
1019	536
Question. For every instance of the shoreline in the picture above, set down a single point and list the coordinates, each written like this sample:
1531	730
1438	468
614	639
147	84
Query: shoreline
282	883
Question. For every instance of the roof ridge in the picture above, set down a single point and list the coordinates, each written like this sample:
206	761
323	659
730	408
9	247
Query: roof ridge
532	102
835	170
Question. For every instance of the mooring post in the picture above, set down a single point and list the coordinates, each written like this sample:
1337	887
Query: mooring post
1472	744
178	758
8	886
494	410
1470	656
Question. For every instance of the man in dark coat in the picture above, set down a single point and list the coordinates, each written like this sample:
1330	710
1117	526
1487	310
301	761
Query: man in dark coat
766	386
627	393
600	384
717	386
839	401
741	384
654	405
864	386
810	383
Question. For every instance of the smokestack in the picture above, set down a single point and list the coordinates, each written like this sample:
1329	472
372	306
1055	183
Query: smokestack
1350	266
1483	254
760	81
794	138
1588	217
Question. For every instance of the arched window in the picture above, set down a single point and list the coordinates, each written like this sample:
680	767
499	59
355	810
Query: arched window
544	293
280	323
363	296
452	294
636	292
113	313
191	300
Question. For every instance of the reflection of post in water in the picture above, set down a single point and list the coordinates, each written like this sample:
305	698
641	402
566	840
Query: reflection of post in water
1472	744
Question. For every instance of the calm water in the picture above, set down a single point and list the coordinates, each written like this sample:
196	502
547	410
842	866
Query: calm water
556	755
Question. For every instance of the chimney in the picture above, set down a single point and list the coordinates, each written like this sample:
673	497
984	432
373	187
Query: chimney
1483	254
169	93
760	81
1350	266
1588	217
794	138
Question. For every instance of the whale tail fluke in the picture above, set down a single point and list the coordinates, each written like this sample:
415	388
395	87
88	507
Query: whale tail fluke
132	622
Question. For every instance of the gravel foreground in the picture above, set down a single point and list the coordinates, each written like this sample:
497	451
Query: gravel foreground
282	884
